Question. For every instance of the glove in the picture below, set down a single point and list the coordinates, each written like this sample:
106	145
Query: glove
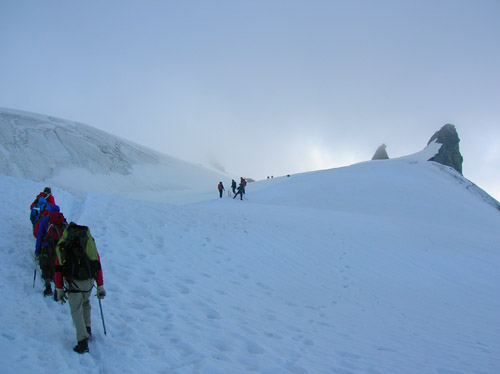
61	296
101	292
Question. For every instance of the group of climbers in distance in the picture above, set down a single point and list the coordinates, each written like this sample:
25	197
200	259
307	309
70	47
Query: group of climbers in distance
67	255
236	191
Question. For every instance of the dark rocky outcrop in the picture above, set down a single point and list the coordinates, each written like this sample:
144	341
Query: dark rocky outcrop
449	154
381	153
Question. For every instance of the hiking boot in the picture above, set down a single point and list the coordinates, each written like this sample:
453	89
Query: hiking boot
48	290
81	347
89	332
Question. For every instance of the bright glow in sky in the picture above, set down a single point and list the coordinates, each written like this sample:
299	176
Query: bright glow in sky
264	87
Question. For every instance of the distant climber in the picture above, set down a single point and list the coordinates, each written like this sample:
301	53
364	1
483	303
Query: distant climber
221	188
47	194
243	182
240	192
38	207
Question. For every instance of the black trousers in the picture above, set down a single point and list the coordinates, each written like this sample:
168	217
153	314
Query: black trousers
47	262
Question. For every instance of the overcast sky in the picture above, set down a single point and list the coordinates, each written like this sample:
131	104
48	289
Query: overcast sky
264	87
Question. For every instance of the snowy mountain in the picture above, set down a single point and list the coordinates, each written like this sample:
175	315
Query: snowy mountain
380	267
56	151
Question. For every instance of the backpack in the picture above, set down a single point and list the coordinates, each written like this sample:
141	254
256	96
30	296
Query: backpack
57	225
77	253
40	204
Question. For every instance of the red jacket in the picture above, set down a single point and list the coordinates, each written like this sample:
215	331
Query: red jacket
48	197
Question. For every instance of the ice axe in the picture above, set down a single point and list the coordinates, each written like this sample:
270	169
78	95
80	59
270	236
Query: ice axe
102	316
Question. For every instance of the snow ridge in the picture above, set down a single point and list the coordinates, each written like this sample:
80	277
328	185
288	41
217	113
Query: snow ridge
44	148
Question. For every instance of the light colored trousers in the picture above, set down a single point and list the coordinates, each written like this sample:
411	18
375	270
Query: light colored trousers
79	305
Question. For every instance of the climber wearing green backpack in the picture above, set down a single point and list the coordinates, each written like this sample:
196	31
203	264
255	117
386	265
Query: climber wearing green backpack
78	265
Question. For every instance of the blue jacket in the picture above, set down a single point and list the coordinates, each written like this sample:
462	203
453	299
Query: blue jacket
42	231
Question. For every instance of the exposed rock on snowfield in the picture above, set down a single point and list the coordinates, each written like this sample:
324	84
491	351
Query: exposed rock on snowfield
381	153
449	153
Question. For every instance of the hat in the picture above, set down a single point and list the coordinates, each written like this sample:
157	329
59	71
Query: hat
47	190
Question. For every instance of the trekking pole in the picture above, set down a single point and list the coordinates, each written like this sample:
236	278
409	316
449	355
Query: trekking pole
34	273
102	317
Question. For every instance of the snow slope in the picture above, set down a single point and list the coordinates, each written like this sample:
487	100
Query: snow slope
60	152
380	267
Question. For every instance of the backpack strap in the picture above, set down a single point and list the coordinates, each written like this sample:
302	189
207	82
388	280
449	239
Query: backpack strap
49	236
73	288
51	228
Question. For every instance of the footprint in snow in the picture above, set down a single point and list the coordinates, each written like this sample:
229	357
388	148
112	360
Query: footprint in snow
349	355
447	371
183	289
254	348
296	369
273	335
222	346
385	349
212	314
263	285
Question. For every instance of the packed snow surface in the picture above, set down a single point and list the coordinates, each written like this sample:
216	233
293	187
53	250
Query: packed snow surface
380	267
